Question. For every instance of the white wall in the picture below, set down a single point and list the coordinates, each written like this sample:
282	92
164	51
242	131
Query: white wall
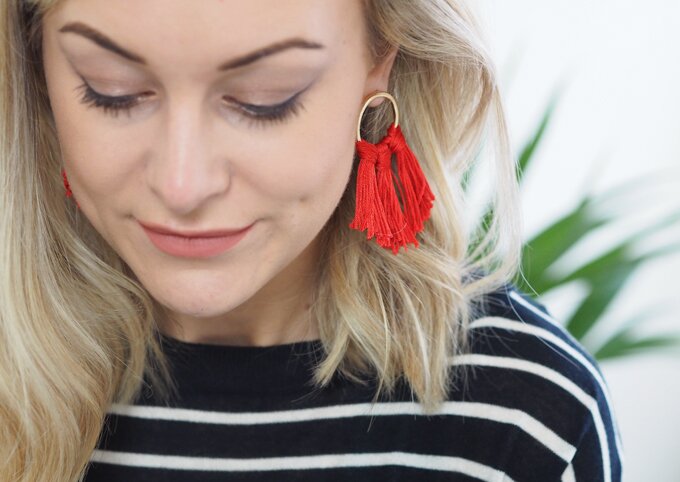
617	120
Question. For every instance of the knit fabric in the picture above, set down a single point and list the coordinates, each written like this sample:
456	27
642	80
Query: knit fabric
536	408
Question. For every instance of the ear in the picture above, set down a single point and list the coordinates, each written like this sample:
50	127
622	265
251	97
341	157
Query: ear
378	76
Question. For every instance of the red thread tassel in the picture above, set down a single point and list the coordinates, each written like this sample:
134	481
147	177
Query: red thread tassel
369	213
401	233
416	194
377	205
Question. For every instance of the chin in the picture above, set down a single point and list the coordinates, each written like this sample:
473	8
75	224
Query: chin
191	303
200	300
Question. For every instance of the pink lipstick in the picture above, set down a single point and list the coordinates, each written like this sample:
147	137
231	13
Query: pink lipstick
195	245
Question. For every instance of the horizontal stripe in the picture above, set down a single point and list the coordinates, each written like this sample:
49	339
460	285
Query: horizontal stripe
429	462
467	437
523	327
484	411
596	374
560	380
515	295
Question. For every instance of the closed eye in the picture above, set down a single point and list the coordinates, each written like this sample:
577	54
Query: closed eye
258	114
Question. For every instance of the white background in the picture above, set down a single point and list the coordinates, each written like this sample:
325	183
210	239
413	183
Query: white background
618	63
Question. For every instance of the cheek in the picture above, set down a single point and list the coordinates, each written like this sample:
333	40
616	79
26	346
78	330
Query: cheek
97	168
313	157
86	144
311	171
92	157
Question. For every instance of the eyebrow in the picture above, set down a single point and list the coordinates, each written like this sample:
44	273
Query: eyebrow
105	42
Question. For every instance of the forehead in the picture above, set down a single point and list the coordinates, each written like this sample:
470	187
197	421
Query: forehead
156	27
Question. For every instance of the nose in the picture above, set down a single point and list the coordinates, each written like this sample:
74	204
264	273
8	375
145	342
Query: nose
184	171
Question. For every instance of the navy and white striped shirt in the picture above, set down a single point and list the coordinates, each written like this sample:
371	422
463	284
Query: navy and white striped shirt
536	408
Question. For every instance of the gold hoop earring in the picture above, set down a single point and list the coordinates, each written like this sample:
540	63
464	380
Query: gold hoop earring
377	205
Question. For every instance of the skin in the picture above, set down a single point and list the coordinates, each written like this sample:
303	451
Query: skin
187	157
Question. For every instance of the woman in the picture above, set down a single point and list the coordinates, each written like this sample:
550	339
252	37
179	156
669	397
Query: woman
344	328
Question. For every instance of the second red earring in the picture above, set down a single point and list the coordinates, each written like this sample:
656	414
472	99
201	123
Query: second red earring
69	193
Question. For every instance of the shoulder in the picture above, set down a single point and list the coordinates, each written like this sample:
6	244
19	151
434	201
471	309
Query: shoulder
527	370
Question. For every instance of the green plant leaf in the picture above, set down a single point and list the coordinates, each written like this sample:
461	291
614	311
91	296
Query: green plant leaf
540	252
603	291
524	159
616	344
606	275
625	343
527	153
620	253
617	254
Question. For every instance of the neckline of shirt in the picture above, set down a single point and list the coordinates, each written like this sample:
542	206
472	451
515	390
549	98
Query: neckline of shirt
203	369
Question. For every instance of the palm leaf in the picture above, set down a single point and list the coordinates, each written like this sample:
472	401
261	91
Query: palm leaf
624	341
527	153
541	252
525	157
605	275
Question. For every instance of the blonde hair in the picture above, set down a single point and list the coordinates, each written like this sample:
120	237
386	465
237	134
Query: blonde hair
77	329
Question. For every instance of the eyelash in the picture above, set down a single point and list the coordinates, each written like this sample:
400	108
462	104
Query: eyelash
268	114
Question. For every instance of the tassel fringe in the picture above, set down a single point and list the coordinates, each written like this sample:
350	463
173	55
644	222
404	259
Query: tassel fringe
377	205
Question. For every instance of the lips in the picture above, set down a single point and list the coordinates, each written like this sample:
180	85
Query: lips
198	244
215	233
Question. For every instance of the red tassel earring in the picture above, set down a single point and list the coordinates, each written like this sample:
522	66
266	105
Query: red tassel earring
69	193
377	206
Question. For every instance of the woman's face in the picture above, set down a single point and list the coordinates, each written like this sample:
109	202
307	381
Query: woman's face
187	151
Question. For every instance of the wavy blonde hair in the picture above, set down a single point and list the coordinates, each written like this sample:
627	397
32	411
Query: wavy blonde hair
77	330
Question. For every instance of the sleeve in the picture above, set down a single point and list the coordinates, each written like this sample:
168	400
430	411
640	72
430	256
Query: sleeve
599	452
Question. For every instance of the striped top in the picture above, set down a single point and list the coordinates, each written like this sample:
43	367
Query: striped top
535	408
